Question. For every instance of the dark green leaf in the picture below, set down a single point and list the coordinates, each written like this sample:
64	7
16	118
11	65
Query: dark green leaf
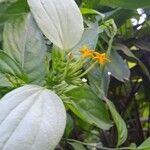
129	53
91	4
120	124
145	30
69	125
85	104
12	8
128	4
144	45
120	15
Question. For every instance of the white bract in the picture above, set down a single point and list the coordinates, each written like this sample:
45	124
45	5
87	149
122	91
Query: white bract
60	21
31	118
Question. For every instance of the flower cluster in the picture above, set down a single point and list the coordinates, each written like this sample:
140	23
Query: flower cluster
99	57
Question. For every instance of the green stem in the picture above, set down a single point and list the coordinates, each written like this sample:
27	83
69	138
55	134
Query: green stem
110	46
66	69
89	69
101	147
102	68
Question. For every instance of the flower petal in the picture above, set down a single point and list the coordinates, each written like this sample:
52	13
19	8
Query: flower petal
31	118
60	21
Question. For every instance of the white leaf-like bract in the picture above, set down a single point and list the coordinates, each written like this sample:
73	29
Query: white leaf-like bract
31	118
60	21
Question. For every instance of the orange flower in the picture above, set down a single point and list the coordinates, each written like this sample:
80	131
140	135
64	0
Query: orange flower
101	58
87	53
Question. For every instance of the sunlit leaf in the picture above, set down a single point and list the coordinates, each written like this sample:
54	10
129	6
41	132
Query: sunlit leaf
60	21
85	11
77	146
119	122
145	145
31	117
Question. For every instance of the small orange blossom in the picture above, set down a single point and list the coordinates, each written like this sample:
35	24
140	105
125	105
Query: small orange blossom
86	52
101	58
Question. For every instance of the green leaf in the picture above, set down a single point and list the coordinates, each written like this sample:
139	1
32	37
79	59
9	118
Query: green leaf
89	39
98	84
9	66
12	8
145	30
86	11
17	7
120	124
1	35
7	1
128	4
24	42
91	4
126	29
3	81
125	50
86	105
69	125
5	85
77	146
118	67
144	45
129	53
145	145
120	16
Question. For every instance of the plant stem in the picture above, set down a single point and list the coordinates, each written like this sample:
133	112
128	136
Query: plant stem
102	68
89	69
101	147
110	46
